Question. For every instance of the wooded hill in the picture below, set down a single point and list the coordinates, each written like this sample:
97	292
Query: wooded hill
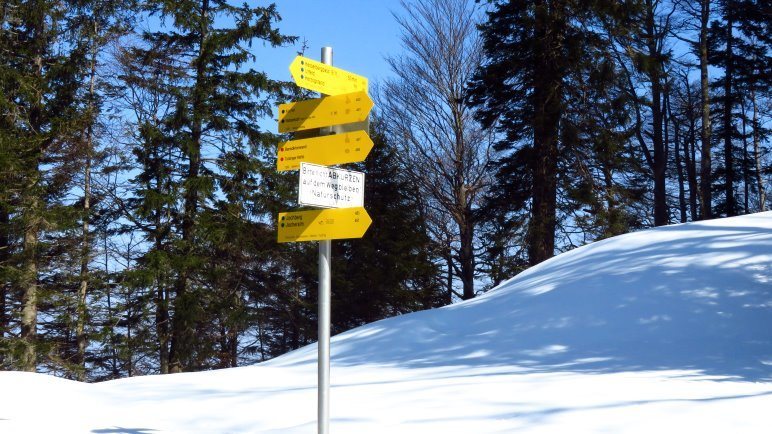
138	193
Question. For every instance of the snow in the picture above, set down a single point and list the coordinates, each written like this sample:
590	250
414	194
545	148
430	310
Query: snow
667	330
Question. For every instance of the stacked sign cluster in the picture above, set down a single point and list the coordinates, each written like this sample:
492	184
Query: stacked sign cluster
346	106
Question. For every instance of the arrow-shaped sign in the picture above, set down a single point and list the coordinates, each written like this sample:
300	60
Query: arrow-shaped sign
326	79
323	224
324	112
325	150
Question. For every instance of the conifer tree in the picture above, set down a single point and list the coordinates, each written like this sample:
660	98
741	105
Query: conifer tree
147	80
40	67
534	58
217	104
740	47
100	22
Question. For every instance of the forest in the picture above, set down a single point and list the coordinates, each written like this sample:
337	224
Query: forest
139	191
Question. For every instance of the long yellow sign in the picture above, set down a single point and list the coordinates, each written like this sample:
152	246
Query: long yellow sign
323	224
324	112
326	79
325	150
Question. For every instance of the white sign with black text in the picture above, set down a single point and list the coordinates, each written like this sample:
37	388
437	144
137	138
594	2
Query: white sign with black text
325	187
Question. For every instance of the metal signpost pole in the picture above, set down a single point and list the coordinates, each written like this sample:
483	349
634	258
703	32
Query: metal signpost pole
323	387
344	100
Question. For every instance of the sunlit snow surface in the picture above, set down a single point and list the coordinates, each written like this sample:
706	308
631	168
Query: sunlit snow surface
662	331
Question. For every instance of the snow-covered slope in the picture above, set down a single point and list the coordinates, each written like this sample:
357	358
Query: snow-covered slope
666	330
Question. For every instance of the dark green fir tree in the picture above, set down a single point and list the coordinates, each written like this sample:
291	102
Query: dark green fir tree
538	60
211	133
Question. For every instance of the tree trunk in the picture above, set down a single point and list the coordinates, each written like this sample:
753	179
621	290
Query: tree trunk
705	159
32	218
80	329
549	29
29	272
746	160
4	287
110	315
161	308
465	217
161	289
690	155
466	257
654	72
757	154
233	347
449	277
677	153
183	329
731	205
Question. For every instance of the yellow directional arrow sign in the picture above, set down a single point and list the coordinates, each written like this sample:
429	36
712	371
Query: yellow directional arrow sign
325	79
325	150
324	112
323	224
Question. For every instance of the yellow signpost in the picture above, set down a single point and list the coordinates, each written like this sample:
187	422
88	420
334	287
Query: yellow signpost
324	112
347	105
323	224
325	150
326	79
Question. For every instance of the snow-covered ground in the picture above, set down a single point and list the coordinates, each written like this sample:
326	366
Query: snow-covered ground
662	331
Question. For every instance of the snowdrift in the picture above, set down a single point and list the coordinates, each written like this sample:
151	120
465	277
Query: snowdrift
691	296
665	330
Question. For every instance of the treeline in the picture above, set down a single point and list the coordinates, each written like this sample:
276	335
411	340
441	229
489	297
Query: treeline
138	193
138	197
532	127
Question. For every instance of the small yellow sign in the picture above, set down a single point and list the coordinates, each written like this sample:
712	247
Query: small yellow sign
323	224
326	79
324	112
325	150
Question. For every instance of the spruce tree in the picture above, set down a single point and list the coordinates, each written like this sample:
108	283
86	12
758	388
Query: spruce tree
40	71
521	86
740	47
147	80
217	103
534	56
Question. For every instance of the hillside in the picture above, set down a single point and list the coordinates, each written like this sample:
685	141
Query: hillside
666	330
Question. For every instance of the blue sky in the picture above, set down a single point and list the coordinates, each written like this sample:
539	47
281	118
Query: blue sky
361	33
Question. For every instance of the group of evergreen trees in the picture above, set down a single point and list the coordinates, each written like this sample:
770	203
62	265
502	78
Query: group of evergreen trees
609	120
138	195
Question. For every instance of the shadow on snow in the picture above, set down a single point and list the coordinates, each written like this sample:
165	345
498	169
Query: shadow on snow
695	297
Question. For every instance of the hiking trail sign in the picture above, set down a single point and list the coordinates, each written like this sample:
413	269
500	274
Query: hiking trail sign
324	112
326	79
343	148
323	224
345	106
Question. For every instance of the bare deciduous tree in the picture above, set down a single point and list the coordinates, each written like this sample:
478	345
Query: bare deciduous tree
427	116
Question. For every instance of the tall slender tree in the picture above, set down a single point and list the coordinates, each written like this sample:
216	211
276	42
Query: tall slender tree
390	271
146	78
753	77
427	114
39	69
